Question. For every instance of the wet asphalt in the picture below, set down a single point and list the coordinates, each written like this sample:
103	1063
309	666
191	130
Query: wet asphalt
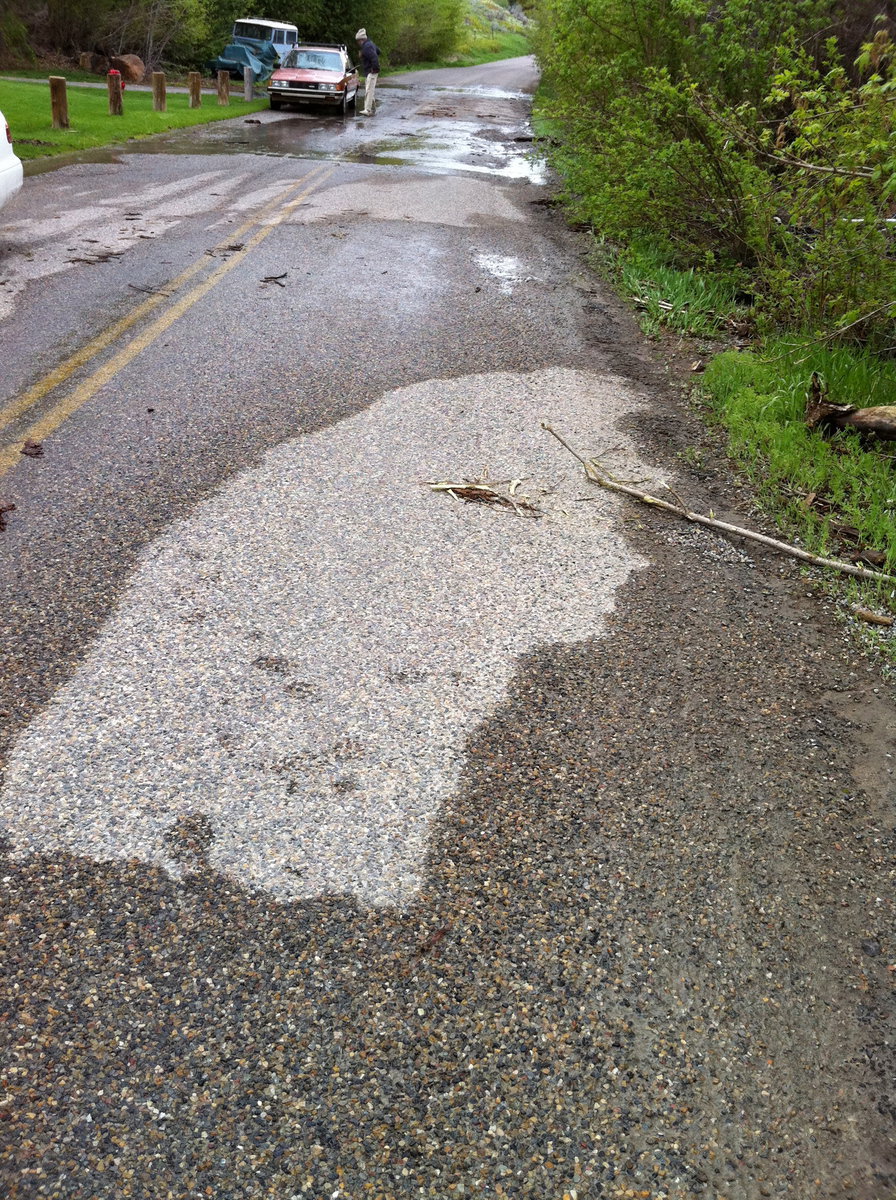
363	842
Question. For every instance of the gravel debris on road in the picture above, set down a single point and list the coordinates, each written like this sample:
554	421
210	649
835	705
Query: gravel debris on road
299	662
637	964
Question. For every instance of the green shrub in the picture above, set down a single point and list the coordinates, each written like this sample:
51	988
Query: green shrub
664	125
15	46
427	30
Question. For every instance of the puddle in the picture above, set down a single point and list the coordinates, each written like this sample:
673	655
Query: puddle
100	154
482	93
485	93
442	140
503	268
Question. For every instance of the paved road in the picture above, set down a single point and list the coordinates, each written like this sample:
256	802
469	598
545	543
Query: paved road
361	841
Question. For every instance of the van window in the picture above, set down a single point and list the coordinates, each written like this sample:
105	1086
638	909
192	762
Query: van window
248	29
265	33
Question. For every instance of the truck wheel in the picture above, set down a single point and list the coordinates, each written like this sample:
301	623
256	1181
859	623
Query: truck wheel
276	103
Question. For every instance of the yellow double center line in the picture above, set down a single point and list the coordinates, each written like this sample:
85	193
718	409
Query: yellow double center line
272	215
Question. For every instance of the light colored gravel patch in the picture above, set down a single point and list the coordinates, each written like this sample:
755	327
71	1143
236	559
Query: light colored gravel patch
506	269
300	662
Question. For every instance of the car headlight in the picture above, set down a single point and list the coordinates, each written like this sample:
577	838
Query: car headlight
329	87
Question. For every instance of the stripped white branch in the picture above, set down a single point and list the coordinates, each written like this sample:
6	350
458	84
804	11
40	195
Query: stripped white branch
597	476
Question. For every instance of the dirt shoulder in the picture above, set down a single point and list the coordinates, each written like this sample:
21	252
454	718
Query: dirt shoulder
756	711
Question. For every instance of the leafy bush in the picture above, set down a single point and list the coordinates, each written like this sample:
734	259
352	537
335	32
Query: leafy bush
666	127
427	30
830	183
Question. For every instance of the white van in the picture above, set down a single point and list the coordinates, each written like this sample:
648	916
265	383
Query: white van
252	30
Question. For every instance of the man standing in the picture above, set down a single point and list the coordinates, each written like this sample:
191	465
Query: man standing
370	66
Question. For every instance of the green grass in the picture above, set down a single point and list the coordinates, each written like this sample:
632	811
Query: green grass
27	108
688	302
834	493
72	74
818	485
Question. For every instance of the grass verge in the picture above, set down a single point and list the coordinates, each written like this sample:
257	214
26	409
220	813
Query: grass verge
41	74
835	495
837	491
27	108
688	302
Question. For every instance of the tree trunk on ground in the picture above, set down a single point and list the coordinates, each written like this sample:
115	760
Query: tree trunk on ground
821	414
880	420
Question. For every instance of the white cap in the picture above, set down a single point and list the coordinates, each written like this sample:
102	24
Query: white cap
361	35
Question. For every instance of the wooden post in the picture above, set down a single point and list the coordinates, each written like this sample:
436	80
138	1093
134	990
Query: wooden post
195	81
224	87
159	101
116	107
248	84
59	102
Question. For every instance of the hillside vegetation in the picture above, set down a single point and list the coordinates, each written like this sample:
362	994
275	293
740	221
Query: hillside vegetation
748	145
188	33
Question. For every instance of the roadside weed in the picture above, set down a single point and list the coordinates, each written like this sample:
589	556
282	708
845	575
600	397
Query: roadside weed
687	301
837	492
693	456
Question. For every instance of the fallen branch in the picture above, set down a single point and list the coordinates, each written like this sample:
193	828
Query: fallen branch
872	618
879	420
605	481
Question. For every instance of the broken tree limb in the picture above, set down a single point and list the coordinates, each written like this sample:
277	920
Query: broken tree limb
873	618
879	420
822	414
606	481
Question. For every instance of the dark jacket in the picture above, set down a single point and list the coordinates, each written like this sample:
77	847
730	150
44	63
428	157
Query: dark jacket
370	58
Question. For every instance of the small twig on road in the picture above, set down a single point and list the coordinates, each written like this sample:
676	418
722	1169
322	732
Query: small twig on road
475	491
149	291
102	257
598	477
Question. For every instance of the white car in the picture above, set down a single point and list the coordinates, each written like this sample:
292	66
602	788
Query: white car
10	165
